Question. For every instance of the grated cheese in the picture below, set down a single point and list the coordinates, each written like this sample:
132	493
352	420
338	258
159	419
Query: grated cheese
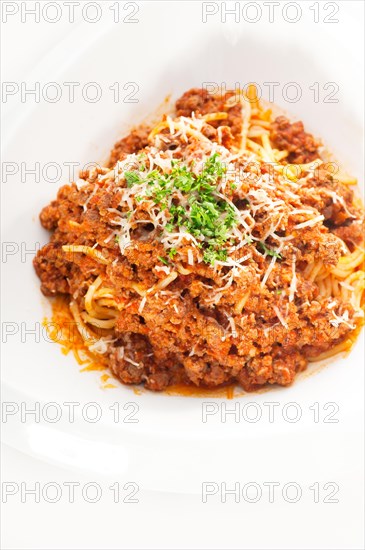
233	327
280	317
337	320
309	223
142	304
293	284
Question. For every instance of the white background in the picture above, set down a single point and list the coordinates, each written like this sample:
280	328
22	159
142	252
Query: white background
160	520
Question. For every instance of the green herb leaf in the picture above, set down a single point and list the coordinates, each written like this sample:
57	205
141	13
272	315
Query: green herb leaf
269	251
204	214
131	178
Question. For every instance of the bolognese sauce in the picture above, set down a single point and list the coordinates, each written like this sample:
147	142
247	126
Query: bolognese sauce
214	248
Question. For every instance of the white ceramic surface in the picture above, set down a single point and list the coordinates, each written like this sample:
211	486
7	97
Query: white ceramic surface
170	448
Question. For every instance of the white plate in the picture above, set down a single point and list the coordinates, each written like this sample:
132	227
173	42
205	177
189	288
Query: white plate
171	448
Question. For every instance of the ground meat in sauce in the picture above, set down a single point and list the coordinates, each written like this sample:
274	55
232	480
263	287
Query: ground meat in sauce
352	234
180	337
134	142
292	137
200	102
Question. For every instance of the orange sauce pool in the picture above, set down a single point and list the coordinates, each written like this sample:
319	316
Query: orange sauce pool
61	328
225	392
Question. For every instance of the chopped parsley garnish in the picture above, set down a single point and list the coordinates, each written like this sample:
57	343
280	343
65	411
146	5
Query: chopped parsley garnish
163	260
204	214
131	178
269	251
211	255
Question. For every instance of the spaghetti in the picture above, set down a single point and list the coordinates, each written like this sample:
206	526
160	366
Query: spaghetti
220	247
